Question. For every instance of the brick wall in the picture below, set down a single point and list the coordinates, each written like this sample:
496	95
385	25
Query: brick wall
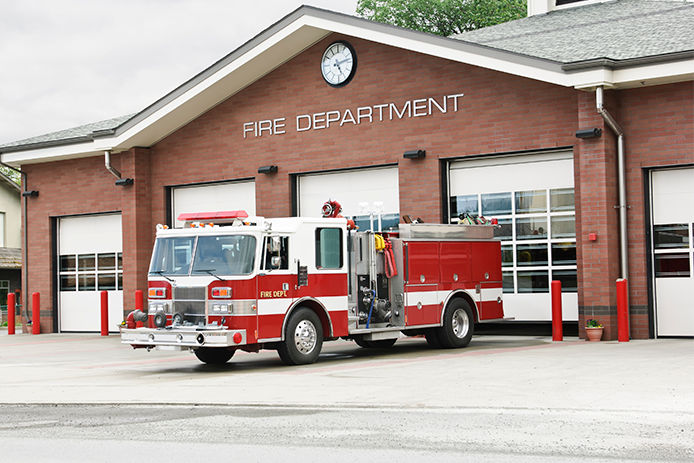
499	113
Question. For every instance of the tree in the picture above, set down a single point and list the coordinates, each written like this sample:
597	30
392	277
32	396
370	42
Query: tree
13	175
442	17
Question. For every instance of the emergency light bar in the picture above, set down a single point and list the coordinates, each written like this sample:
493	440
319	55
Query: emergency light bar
204	216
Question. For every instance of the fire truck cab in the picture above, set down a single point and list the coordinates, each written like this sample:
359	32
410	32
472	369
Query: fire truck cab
227	281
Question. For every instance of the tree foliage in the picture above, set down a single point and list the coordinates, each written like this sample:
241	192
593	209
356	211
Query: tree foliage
442	17
13	175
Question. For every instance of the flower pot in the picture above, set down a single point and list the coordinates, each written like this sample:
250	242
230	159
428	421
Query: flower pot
594	334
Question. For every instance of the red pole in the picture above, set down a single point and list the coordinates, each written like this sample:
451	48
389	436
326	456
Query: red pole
104	313
35	313
557	328
622	310
10	313
139	305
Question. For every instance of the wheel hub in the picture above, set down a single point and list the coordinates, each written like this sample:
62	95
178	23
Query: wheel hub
461	323
305	337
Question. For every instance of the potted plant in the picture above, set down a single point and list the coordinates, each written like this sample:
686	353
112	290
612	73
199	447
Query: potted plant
593	330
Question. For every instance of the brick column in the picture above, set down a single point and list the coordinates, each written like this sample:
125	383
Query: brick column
420	188
138	229
595	164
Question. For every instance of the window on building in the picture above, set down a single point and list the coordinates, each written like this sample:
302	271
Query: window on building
537	229
91	272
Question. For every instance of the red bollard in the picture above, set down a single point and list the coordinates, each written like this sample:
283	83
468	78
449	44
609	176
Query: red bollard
10	313
139	305
35	313
104	313
622	310
557	328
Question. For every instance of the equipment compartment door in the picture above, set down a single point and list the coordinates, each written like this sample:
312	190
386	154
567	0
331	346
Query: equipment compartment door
423	306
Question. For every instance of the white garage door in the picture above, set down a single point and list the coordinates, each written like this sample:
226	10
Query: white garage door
673	219
89	261
227	196
533	198
360	193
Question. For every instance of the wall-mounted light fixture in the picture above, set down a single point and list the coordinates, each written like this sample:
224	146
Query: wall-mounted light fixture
124	182
267	170
589	133
414	154
30	193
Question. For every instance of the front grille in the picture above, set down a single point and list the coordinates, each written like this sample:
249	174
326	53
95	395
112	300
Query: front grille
189	301
189	293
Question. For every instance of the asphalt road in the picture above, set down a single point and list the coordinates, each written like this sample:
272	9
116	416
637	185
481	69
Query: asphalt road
85	398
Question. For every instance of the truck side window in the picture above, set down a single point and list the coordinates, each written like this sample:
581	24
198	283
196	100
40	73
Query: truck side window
328	248
276	258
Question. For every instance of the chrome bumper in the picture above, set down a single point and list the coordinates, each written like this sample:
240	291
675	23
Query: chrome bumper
182	337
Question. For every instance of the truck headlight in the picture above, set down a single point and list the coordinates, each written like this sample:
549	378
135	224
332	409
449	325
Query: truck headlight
154	307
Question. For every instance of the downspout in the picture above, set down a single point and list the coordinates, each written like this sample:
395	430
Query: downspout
107	162
621	175
25	248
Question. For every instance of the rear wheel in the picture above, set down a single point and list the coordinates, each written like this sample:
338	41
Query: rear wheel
378	344
458	325
214	355
303	338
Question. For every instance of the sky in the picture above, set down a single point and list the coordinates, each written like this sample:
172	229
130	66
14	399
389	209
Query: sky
65	63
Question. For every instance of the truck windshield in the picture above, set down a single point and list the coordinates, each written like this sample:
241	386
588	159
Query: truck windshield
172	256
225	255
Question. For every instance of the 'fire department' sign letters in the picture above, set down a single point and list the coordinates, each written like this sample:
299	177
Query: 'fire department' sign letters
421	107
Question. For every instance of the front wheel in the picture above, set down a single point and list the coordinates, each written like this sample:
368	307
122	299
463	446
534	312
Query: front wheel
303	338
458	325
214	355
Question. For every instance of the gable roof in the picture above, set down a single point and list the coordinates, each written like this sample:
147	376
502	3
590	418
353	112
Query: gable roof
307	25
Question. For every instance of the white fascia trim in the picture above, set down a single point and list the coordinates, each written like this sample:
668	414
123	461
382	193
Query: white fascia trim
441	51
56	153
121	140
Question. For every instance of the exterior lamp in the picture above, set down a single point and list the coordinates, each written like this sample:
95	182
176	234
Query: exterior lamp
267	170
589	133
124	182
414	154
30	193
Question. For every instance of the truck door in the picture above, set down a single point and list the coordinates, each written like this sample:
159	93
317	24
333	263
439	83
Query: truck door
276	282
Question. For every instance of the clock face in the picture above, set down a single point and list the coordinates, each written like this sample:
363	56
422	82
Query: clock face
338	64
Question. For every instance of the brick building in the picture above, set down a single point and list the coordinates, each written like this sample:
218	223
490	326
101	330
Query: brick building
518	121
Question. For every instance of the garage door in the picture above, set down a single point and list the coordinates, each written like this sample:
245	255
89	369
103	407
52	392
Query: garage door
90	260
673	219
215	197
360	193
533	198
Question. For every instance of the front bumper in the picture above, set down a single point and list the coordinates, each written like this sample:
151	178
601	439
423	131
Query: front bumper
183	337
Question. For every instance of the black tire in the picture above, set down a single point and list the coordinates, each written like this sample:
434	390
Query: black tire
303	338
458	325
379	344
432	337
214	355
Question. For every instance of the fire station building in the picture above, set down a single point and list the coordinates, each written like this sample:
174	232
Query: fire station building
574	127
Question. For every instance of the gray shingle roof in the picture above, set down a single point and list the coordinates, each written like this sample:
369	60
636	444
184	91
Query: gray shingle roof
617	30
83	132
10	258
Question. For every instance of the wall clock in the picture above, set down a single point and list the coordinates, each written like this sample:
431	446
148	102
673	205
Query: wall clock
339	63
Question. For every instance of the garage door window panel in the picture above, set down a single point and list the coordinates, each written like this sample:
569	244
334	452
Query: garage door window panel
531	202
671	236
531	255
464	204
494	204
533	281
568	278
561	200
563	254
675	265
531	228
505	229
563	227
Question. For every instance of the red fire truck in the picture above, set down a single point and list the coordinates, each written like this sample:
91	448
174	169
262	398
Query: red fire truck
227	281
